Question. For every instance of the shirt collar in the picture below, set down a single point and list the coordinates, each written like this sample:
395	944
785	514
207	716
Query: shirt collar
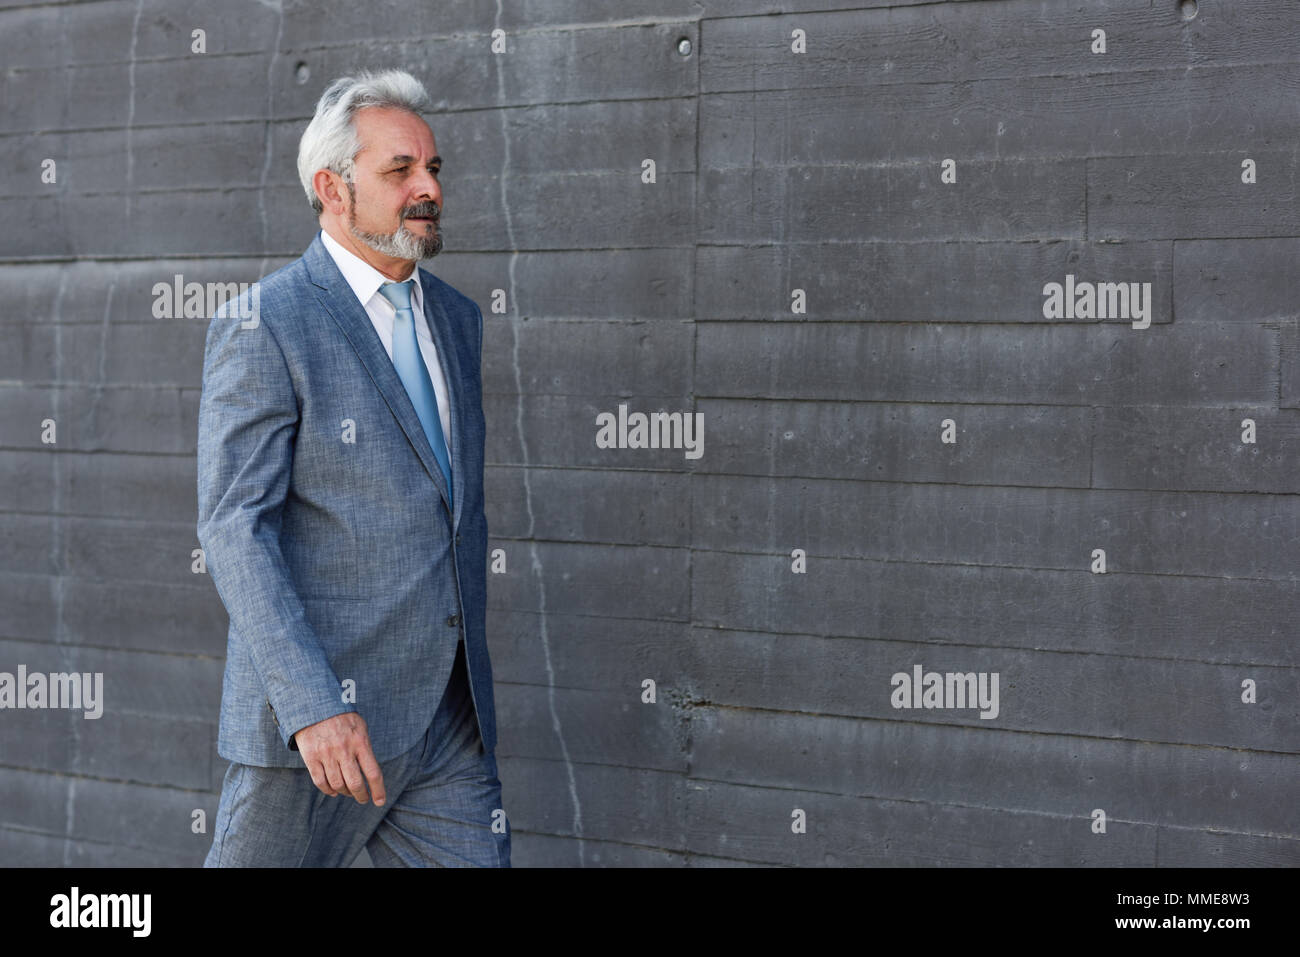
364	279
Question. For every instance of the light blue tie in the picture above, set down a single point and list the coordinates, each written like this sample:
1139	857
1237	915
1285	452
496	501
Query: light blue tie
415	374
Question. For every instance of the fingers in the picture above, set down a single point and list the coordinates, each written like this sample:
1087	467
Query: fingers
375	777
343	778
340	760
318	777
354	783
334	774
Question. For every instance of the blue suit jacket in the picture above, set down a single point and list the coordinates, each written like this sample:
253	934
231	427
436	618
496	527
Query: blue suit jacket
339	560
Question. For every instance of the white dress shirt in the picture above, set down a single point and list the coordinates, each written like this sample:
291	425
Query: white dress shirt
365	280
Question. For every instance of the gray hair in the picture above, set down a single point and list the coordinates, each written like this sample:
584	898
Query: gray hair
330	140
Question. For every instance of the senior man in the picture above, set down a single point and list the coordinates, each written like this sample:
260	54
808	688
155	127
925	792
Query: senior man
340	481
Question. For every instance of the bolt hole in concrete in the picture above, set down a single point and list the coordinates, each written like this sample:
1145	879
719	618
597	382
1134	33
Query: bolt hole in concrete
302	73
1187	8
684	46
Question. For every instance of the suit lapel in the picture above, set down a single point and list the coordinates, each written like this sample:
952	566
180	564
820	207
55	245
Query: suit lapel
449	358
337	298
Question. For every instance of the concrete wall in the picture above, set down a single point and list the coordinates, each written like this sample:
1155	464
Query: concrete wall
775	171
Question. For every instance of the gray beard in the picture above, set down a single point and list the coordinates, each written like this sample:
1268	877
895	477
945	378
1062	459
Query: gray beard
400	244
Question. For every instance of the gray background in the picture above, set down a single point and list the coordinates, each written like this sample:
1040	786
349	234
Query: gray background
775	171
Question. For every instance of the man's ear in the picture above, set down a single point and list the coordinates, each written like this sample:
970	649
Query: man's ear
331	191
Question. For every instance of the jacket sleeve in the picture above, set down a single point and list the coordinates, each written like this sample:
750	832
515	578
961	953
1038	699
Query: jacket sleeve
248	420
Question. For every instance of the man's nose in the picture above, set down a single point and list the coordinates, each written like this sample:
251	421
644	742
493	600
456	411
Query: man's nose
427	188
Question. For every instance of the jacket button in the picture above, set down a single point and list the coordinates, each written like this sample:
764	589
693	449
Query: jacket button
458	538
453	621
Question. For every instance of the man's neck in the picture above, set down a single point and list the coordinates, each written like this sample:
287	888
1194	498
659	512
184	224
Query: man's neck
398	270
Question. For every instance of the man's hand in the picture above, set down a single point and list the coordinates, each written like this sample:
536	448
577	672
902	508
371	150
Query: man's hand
337	753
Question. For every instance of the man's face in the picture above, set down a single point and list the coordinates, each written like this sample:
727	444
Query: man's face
395	200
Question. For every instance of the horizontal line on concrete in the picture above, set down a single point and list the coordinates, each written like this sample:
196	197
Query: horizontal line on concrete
989	807
1080	569
604	841
1256	407
700	474
92	777
99	452
293	254
898	800
114	649
933	643
109	519
144	386
19	829
73	579
50	3
630	171
1001	78
297	120
994	729
997	158
501	609
301	119
886	5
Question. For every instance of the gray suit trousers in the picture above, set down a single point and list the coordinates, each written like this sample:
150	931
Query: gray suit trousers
443	805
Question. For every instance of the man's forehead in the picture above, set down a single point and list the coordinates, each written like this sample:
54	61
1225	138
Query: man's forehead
389	134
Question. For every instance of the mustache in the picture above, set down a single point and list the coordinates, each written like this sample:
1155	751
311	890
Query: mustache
428	210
